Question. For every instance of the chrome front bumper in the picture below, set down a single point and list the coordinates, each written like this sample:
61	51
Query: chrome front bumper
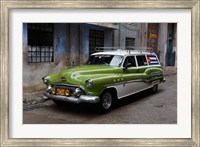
81	99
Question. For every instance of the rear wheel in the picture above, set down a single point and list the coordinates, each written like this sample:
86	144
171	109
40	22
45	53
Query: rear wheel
106	102
154	89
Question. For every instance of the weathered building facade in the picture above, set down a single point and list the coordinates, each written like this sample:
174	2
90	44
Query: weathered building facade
166	44
49	48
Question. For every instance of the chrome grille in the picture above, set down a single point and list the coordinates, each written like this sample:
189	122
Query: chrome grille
67	87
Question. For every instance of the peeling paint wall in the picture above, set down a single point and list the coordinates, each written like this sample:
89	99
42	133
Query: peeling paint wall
127	31
25	38
33	72
61	44
74	44
108	41
84	39
116	38
162	42
143	35
84	43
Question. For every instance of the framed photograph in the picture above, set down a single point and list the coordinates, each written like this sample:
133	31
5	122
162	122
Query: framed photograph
36	36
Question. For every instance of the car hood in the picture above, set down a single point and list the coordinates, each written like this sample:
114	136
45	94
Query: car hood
79	74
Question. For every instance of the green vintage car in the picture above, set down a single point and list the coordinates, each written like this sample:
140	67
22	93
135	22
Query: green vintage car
106	77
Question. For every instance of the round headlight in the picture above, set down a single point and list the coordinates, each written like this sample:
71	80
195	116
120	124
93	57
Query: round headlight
49	88
45	79
89	83
53	91
67	92
77	92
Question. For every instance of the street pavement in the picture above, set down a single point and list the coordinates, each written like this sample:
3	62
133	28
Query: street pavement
141	108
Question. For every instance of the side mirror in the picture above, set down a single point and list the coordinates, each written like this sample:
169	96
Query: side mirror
126	66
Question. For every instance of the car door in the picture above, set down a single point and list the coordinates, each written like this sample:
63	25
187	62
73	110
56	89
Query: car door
130	75
142	76
134	68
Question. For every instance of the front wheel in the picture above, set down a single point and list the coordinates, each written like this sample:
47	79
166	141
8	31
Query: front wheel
106	102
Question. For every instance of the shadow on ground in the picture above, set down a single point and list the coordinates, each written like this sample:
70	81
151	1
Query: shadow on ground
91	109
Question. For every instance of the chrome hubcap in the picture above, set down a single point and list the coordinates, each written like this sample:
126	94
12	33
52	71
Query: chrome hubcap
106	100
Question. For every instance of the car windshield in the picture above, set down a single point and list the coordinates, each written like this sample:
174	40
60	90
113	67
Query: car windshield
112	60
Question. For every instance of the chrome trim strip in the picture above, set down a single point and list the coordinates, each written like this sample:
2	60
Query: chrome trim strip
59	84
121	86
81	99
135	92
124	82
131	81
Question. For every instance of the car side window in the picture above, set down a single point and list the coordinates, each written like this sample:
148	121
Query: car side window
141	60
130	60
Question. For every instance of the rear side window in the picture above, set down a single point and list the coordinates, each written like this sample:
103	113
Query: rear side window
152	60
141	60
130	60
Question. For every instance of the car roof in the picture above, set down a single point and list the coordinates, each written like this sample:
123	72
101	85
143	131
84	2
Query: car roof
124	52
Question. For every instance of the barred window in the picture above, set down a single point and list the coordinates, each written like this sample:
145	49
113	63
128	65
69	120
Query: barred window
40	42
130	42
96	39
40	54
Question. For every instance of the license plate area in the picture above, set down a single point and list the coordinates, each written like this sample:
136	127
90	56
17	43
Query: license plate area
61	91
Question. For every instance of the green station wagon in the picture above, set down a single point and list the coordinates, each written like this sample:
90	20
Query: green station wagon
107	76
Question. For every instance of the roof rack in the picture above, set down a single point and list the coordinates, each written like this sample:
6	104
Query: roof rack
128	49
100	49
140	49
